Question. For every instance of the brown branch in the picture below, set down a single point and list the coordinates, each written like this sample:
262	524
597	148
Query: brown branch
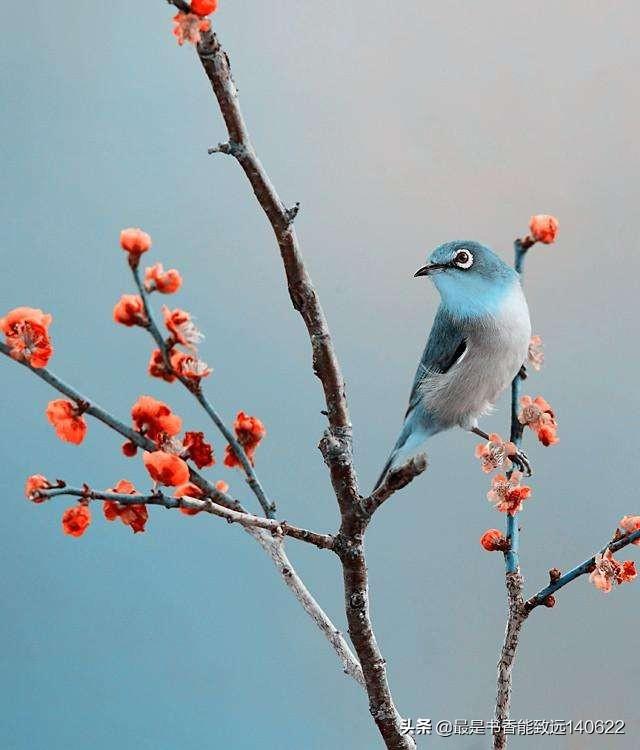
517	615
336	443
394	480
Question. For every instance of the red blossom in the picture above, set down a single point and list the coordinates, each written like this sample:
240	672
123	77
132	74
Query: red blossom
154	418
76	520
129	311
198	450
204	7
134	241
508	494
34	484
189	27
189	366
26	331
493	540
69	424
249	432
134	516
166	468
165	282
157	368
544	228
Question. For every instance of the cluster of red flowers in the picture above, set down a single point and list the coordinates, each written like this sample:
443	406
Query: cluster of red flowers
538	415
26	331
249	432
189	27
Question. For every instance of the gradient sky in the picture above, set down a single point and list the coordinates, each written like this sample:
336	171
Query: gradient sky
397	126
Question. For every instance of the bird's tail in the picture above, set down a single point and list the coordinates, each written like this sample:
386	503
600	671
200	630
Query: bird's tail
409	444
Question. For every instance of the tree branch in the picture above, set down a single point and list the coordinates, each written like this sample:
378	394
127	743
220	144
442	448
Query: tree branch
336	445
585	567
206	505
517	615
394	481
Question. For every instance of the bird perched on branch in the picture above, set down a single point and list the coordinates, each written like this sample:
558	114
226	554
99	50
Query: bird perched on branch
477	345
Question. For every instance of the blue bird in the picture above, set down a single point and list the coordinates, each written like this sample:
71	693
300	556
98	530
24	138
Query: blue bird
477	345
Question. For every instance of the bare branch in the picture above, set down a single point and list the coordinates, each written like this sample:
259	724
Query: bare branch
394	480
274	548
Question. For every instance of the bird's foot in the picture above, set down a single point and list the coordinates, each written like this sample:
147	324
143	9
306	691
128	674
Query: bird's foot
522	462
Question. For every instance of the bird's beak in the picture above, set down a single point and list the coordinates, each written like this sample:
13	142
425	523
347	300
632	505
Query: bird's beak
428	270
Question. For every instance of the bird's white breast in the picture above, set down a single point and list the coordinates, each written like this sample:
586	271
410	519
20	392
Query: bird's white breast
496	349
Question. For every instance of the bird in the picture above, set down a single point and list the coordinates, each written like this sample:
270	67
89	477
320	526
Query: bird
478	343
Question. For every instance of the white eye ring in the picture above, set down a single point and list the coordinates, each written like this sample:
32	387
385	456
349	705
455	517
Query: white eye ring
463	258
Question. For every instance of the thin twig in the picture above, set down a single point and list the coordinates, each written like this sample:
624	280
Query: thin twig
394	480
585	567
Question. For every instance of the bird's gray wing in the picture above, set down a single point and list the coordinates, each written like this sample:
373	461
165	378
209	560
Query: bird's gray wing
446	346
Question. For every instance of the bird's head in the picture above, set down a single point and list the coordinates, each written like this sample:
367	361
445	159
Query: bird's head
471	278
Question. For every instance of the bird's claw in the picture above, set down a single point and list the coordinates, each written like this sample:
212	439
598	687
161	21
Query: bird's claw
522	462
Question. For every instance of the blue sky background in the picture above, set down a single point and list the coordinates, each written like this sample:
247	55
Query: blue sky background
397	127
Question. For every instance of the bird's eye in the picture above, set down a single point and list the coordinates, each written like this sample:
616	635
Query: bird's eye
463	259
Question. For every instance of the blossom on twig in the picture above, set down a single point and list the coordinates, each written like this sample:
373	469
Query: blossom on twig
165	282
204	7
544	228
166	468
198	450
154	418
76	520
134	241
181	327
493	540
129	311
26	331
538	415
189	366
508	494
249	432
608	570
67	420
33	485
495	453
135	516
